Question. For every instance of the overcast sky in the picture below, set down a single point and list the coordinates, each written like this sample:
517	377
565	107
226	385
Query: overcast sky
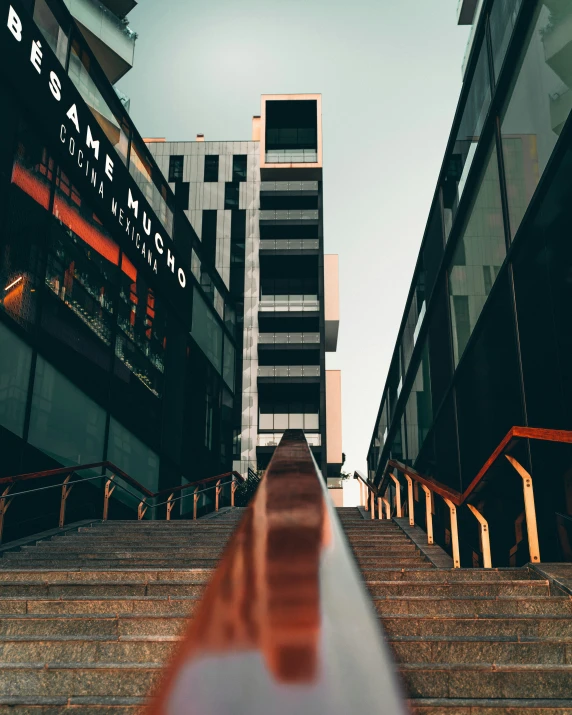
389	72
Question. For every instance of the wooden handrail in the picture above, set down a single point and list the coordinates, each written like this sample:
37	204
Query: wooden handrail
116	470
459	498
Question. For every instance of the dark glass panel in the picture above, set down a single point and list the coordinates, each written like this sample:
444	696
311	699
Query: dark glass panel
502	21
231	194
441	360
211	167
208	235
182	195
176	163
415	316
239	167
418	410
51	29
15	362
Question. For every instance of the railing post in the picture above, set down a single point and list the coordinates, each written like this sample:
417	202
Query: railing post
233	487
428	514
170	505
4	504
379	508
366	498
529	509
65	494
372	503
107	493
397	495
454	534
410	507
195	502
218	490
141	511
485	538
387	508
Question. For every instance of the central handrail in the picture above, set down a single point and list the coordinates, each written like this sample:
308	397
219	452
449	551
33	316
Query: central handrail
286	614
455	499
6	497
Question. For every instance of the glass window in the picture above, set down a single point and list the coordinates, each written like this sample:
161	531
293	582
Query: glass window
418	410
218	302
176	163
211	167
208	235
113	125
415	317
239	167
502	21
538	106
231	192
433	247
182	195
156	193
51	29
15	361
195	265
64	422
478	256
132	456
461	158
206	331
228	364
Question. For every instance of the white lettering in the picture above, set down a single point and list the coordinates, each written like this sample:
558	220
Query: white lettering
121	217
170	261
158	243
72	146
36	56
109	167
80	158
100	192
72	114
131	204
146	224
149	258
127	227
92	143
137	240
93	177
55	85
14	24
63	133
114	207
155	266
182	277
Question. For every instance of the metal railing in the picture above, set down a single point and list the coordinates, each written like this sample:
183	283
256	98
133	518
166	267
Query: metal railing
110	473
289	244
291	156
289	214
288	371
271	186
455	499
288	338
289	303
285	615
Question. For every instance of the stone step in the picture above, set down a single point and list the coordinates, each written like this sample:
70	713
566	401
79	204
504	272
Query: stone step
106	564
381	562
107	588
540	626
453	589
487	681
157	605
429	573
190	575
485	706
458	649
176	549
472	606
82	649
87	552
44	626
77	705
78	679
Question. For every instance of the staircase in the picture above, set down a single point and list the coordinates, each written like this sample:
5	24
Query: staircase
88	618
467	641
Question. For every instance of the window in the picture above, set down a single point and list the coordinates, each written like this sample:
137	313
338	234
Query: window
211	167
478	256
502	21
152	187
239	167
132	456
208	235
15	361
231	193
176	168
51	29
182	195
206	331
418	410
538	106
228	364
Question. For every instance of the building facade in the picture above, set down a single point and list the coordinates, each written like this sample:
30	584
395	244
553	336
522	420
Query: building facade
485	338
118	342
257	207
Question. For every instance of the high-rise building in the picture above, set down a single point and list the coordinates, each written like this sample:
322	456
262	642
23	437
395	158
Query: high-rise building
257	207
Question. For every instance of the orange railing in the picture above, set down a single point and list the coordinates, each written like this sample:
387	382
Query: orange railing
455	499
109	473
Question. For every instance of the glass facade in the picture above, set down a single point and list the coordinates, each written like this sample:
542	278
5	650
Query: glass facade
486	332
99	359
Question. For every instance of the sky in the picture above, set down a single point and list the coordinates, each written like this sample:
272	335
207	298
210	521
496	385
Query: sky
389	72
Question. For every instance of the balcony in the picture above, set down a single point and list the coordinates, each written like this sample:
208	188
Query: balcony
289	304
286	244
289	214
292	156
289	420
283	186
289	338
272	440
288	371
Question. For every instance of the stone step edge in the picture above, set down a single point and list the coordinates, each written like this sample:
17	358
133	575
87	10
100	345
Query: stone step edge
488	703
485	667
37	701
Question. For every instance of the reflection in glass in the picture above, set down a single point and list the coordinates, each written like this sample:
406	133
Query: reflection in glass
502	21
141	170
478	257
539	104
15	361
418	410
51	30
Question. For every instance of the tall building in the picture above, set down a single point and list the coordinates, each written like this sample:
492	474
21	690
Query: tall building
485	337
257	207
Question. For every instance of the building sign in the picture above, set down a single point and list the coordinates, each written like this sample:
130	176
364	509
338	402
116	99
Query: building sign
86	154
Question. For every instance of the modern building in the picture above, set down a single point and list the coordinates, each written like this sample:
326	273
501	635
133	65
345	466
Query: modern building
257	207
117	335
485	339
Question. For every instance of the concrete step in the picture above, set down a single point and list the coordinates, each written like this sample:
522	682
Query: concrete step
487	681
539	626
35	705
190	575
87	552
472	606
177	549
107	588
390	562
429	573
107	564
453	589
108	605
489	706
43	626
481	650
